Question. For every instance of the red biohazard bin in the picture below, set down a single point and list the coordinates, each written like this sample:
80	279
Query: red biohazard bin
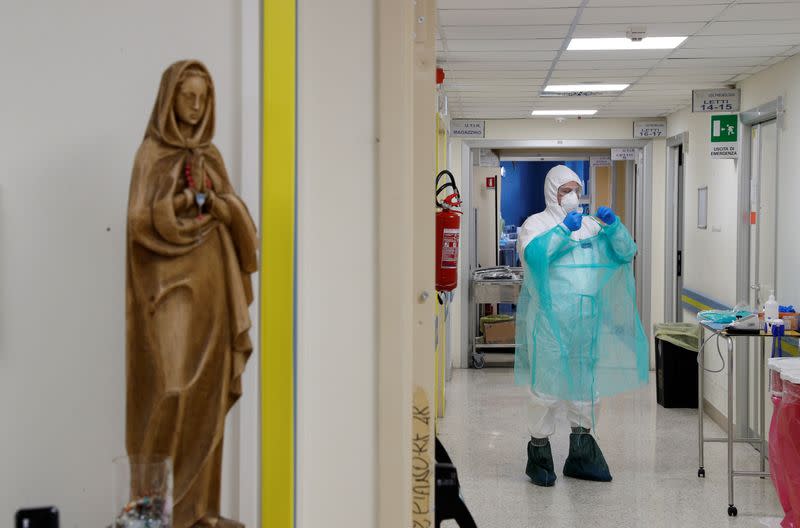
787	440
776	466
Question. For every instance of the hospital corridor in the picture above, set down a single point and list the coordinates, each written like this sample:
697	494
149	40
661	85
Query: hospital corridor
400	264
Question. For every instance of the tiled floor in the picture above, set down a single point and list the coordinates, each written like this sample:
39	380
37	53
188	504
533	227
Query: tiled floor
651	451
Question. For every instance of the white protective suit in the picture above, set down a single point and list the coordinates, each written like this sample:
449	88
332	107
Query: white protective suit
542	408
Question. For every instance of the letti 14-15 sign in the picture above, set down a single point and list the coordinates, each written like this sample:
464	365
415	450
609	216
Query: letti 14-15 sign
716	100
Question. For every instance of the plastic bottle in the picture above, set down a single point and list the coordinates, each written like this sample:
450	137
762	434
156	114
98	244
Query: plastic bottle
771	308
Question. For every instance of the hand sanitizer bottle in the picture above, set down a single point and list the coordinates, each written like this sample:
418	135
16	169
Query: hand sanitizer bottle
771	308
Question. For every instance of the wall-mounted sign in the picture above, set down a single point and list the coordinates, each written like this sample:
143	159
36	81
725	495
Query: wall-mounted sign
716	100
623	154
603	161
724	136
467	128
649	129
491	182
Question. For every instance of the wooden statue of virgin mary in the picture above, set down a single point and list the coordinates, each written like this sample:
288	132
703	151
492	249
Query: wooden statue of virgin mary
191	249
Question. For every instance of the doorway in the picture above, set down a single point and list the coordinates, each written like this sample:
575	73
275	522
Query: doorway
757	269
627	188
677	147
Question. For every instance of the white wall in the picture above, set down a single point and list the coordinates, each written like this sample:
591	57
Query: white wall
461	293
783	80
336	259
710	257
483	199
79	82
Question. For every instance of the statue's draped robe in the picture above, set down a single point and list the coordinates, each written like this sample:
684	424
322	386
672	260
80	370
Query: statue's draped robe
188	292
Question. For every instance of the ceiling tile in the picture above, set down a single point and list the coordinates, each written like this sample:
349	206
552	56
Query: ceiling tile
653	30
476	56
600	65
532	44
497	65
500	81
725	41
505	17
506	32
505	4
578	79
615	55
762	11
638	3
754	51
705	63
494	75
643	15
751	27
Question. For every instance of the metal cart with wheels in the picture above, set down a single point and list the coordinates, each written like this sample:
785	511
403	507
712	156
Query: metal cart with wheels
760	440
499	285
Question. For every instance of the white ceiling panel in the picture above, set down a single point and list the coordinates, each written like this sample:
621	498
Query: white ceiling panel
600	65
643	15
764	11
473	56
709	63
755	51
717	70
593	75
505	4
751	27
676	79
583	78
505	17
462	83
639	3
497	55
492	75
514	91
614	55
725	41
497	65
532	44
506	32
653	30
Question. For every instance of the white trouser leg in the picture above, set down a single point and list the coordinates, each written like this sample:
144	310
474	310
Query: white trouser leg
542	415
583	414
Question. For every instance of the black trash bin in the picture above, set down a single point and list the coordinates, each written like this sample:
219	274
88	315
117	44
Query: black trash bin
677	345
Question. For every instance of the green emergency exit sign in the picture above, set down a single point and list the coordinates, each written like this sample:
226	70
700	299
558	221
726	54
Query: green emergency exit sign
724	128
725	136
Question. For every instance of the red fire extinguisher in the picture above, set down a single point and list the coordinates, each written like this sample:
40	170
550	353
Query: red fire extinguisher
448	233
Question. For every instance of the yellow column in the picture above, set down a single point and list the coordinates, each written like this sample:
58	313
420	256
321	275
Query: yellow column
277	264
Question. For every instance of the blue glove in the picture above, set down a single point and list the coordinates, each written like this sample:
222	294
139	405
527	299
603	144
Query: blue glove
574	220
606	215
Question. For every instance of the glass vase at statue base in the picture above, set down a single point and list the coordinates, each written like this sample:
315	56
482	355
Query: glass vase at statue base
142	492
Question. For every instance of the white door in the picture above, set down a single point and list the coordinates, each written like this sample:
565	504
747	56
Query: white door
679	238
763	199
763	231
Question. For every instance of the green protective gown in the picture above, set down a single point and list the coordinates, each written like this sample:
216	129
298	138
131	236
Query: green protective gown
579	333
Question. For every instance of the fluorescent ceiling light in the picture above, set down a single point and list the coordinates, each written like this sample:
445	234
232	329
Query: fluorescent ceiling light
585	87
622	43
563	112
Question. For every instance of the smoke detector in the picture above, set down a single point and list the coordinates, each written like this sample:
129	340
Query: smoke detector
637	33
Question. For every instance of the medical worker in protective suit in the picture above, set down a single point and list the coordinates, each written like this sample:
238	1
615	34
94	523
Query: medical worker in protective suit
578	330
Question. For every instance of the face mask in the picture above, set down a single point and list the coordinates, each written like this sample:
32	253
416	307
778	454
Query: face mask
570	202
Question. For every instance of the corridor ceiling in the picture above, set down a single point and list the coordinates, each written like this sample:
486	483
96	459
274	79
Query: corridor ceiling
499	54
